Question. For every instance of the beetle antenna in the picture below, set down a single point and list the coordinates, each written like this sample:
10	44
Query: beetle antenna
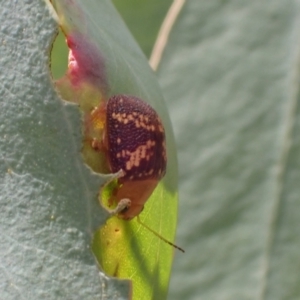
123	204
159	236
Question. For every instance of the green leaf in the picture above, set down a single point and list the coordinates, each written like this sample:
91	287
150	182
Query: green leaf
230	76
124	248
48	209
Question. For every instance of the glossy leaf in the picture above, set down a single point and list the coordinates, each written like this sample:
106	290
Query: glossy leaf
123	248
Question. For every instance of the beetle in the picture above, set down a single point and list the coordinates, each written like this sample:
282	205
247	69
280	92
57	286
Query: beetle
134	143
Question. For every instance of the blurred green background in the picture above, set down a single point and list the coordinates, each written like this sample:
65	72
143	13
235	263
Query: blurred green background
144	19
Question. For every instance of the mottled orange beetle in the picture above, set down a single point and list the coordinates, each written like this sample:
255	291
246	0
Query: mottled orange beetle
134	143
135	148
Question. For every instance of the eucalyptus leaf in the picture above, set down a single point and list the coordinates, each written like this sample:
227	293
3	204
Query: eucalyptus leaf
125	249
230	77
49	211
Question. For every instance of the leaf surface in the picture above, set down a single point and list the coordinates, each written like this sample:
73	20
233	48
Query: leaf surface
48	208
124	248
48	201
230	76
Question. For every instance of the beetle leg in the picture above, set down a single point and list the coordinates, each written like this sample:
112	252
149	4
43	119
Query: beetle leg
113	177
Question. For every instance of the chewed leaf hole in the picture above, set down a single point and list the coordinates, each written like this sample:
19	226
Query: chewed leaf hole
78	74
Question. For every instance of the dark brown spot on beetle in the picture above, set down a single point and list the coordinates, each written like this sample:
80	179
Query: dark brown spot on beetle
135	139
